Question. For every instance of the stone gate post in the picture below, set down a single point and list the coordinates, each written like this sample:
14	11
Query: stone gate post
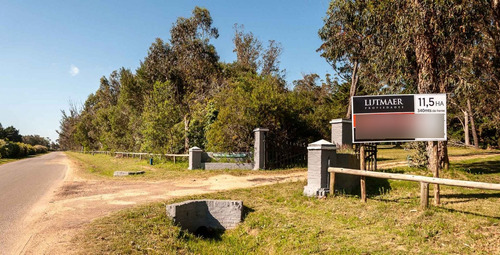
341	132
259	156
320	156
195	158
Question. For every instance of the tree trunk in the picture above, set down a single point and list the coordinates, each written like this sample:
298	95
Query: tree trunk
427	80
466	127
444	160
432	152
472	125
354	85
186	131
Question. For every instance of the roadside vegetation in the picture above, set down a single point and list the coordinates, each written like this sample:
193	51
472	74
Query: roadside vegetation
103	166
280	220
14	145
6	160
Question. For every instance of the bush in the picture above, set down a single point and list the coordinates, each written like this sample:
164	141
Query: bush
12	150
419	156
3	149
19	150
40	149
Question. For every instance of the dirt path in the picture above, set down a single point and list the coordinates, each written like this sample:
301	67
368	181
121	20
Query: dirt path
452	158
78	201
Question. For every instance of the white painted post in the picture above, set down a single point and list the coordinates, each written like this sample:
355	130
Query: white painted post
319	157
195	158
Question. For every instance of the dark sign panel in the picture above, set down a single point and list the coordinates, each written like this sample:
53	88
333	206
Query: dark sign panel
381	104
420	117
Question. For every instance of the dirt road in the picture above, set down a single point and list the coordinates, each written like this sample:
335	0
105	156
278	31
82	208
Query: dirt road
78	201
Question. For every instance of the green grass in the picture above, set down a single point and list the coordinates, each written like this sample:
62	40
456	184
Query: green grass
280	220
103	166
388	153
6	160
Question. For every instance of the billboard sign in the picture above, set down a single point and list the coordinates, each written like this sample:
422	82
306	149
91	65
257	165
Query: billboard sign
399	118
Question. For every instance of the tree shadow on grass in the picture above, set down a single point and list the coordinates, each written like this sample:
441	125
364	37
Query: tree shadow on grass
462	198
466	212
483	167
374	187
377	186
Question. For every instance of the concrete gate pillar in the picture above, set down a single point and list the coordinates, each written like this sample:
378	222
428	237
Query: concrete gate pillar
320	156
341	132
195	158
259	156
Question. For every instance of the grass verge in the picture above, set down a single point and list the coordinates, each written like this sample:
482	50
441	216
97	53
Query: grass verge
103	166
281	220
389	153
7	160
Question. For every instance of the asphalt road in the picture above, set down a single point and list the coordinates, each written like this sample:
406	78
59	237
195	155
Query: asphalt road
24	184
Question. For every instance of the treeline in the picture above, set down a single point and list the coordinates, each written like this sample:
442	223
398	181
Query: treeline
14	145
182	95
423	46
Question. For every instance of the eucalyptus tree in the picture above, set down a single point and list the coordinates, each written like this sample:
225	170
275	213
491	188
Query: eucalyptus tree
194	63
247	48
419	44
347	30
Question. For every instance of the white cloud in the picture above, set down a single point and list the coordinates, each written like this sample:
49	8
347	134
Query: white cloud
73	70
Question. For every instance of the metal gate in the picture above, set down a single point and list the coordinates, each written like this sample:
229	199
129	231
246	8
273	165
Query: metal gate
285	154
370	154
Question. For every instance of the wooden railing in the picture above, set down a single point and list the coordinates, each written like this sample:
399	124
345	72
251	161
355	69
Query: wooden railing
424	181
139	155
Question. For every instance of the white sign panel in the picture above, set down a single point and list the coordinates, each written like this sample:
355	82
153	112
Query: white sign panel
399	118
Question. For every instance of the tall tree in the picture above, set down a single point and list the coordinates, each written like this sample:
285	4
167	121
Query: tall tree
67	128
194	65
270	59
247	48
12	134
347	29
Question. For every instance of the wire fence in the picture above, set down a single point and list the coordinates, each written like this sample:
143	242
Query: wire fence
140	155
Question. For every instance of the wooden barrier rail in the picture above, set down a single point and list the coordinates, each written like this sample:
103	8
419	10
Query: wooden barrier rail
424	181
137	154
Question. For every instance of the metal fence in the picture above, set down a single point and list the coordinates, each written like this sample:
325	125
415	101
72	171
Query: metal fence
285	154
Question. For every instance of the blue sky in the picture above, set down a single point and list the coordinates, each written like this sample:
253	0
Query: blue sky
54	52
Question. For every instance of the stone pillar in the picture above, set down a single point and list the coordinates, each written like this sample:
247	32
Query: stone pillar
195	158
259	156
320	156
341	132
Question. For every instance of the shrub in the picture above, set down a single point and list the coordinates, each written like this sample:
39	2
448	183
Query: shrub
19	150
419	156
3	149
40	149
13	150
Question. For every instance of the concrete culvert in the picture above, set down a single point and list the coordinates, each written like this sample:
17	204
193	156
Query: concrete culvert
206	217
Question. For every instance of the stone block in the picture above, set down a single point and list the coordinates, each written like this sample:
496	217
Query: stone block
211	214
